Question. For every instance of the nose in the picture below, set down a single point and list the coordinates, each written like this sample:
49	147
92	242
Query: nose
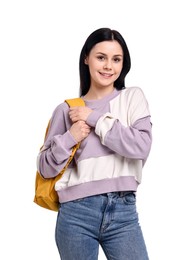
107	65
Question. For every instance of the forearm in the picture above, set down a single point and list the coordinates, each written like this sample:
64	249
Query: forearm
55	154
131	142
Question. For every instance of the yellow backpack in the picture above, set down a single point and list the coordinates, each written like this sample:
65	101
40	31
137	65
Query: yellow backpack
45	194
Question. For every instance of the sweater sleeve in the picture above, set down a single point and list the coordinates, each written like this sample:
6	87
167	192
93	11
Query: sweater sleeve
57	146
131	136
133	142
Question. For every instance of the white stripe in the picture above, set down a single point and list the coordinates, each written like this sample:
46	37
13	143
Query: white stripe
107	167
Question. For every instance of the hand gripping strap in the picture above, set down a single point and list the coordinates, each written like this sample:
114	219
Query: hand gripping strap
74	102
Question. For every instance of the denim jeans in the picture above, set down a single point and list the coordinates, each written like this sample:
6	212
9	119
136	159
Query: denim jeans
109	220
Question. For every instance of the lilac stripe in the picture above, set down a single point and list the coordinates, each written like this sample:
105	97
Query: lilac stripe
97	187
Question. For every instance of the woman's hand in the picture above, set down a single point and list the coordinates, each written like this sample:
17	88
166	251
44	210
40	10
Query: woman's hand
79	113
79	130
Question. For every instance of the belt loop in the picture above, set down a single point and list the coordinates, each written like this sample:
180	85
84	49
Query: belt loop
122	193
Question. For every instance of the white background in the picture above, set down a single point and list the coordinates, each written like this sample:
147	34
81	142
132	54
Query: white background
39	53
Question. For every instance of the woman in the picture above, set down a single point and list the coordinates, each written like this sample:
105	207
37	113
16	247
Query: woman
97	193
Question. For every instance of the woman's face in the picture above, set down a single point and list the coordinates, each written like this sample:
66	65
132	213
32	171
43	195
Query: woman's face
105	62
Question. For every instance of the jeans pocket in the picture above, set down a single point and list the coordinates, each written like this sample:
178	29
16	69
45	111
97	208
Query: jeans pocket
129	198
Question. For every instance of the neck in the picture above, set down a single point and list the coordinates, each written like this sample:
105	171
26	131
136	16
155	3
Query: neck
94	94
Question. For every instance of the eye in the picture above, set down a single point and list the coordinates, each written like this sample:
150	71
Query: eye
117	60
101	58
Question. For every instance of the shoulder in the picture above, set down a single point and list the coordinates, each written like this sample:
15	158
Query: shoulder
58	120
61	108
132	91
133	94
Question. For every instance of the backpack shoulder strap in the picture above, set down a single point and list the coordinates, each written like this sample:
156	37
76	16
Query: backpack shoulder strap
75	102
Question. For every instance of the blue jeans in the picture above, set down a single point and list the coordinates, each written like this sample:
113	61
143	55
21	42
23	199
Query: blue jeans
109	219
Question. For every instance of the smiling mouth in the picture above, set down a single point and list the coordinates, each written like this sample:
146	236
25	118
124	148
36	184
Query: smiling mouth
106	75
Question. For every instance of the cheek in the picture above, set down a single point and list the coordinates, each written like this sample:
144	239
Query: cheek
120	66
119	69
92	72
94	67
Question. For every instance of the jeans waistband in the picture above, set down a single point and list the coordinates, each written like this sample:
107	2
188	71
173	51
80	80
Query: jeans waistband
118	193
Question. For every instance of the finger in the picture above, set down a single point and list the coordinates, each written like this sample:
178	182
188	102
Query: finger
73	108
72	113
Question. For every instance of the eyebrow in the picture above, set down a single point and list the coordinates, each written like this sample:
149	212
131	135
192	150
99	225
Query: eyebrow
116	55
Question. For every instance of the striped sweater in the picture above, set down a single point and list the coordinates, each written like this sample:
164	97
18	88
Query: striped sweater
111	158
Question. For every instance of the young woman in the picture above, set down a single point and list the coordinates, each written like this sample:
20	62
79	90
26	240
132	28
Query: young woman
97	193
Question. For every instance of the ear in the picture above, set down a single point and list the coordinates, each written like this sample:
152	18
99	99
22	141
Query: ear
86	61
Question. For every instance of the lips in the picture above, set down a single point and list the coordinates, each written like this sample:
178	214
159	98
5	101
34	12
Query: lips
106	75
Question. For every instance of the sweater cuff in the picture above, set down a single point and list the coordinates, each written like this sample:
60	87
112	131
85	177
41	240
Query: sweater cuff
65	141
70	141
93	118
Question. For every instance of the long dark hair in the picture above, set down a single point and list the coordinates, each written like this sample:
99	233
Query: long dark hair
100	35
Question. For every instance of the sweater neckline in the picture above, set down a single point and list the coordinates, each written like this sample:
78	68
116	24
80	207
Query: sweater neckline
98	102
